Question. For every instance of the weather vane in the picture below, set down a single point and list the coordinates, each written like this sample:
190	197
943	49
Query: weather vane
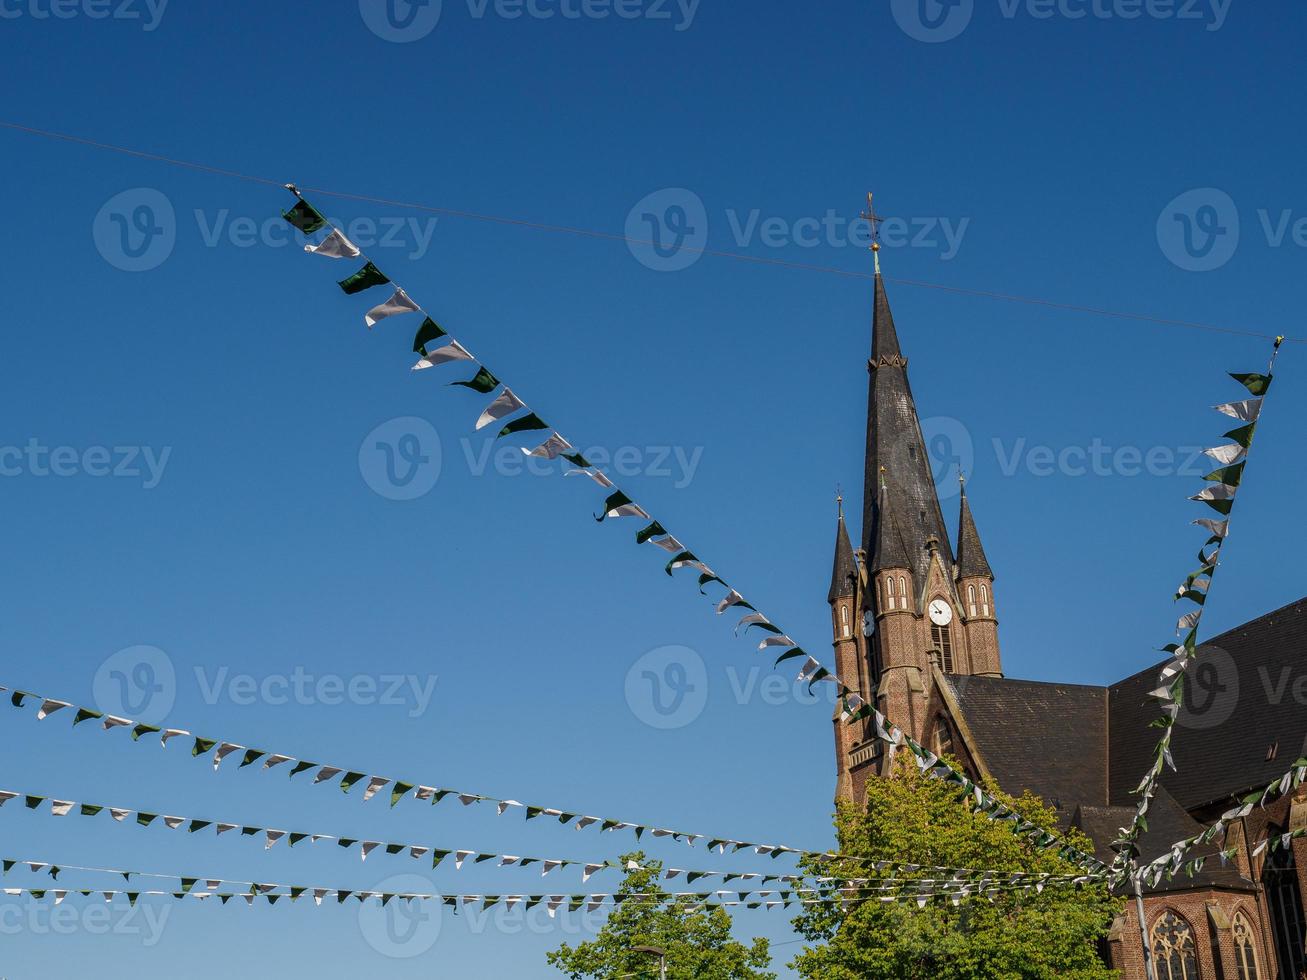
875	221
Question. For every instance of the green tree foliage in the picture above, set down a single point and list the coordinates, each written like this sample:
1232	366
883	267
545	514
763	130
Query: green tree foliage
698	943
912	818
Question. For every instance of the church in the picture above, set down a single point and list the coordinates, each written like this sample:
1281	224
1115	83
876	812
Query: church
916	621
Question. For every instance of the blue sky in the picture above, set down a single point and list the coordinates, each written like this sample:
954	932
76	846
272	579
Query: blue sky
254	537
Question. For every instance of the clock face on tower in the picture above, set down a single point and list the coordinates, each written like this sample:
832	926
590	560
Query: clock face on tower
941	613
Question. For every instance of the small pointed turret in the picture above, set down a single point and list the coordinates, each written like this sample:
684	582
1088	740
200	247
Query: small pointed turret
971	555
844	576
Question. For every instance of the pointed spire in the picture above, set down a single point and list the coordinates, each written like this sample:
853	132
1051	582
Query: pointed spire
844	576
888	549
884	338
971	555
896	447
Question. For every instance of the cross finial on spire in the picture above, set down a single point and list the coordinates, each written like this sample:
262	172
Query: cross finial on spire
839	499
875	220
962	480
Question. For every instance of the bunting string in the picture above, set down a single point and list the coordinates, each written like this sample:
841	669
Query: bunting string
202	886
1224	483
217	750
270	837
618	504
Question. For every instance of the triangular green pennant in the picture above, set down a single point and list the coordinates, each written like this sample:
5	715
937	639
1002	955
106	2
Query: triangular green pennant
483	381
251	755
188	884
34	801
145	819
615	501
790	655
251	831
429	331
437	856
526	423
294	839
1257	384
1243	435
346	841
365	278
395	848
197	825
305	217
1229	475
90	809
652	531
707	577
16	699
576	459
84	714
302	767
203	745
349	779
140	730
399	791
679	559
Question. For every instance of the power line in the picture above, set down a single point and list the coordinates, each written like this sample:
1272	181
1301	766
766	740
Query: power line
625	239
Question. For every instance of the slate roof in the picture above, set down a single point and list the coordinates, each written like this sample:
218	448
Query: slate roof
1054	740
1048	738
1240	700
894	441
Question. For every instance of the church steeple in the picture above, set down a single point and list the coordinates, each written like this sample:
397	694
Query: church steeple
896	448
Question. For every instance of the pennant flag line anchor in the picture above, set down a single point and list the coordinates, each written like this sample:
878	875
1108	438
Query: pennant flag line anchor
1220	496
619	505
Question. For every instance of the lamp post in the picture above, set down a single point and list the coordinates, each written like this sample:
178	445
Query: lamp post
657	951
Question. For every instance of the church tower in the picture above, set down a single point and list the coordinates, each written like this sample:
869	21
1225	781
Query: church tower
924	611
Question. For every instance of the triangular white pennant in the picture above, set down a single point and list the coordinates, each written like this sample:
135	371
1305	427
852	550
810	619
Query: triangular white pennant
506	404
398	303
334	246
448	354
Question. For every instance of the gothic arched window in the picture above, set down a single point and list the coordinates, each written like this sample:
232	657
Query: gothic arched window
943	737
844	616
984	599
1245	949
971	599
903	592
1174	951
